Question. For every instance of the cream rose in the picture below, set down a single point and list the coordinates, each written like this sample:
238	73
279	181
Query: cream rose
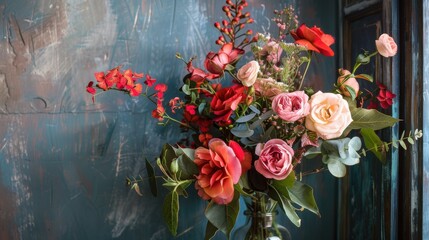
248	73
329	115
386	45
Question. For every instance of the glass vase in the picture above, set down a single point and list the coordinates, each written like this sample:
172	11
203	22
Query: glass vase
260	223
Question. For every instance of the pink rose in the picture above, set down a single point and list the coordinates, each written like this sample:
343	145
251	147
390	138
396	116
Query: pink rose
268	87
329	115
248	73
220	169
386	45
291	106
275	159
351	82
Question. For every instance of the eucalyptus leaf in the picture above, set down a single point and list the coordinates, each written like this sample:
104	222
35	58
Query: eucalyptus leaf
186	90
254	109
242	131
246	118
337	169
201	107
171	211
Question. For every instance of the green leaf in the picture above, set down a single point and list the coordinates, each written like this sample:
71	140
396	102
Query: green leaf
283	185
201	107
351	91
302	195
171	211
242	131
337	168
285	205
167	155
187	168
223	217
403	145
365	77
371	139
363	59
152	180
246	118
186	90
370	118
211	231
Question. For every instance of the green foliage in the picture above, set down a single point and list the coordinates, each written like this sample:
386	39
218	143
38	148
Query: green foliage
223	217
372	141
152	180
171	211
370	118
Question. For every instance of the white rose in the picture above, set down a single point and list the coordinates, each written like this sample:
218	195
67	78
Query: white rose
248	73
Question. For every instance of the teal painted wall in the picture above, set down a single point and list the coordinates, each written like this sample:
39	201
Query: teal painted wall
64	160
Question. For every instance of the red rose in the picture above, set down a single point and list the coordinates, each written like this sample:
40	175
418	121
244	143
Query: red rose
225	101
314	39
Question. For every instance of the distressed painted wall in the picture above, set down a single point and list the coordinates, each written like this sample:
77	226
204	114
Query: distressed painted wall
64	160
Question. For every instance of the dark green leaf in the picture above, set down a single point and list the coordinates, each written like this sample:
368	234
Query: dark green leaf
167	155
152	180
302	195
285	205
282	185
223	217
171	211
370	118
371	139
211	231
187	168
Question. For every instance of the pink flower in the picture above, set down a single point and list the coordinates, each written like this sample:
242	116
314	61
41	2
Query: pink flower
351	82
291	106
386	45
275	159
248	73
220	169
329	115
216	63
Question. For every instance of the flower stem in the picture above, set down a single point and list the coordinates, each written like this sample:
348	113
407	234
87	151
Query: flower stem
305	71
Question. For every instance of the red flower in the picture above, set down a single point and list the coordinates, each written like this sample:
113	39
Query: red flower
216	63
225	101
149	80
191	109
136	90
314	39
385	96
161	87
90	88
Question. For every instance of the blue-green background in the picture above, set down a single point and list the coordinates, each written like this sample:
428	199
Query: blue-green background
64	159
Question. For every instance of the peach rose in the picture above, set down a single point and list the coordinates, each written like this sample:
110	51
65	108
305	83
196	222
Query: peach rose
386	45
220	168
275	159
329	115
248	73
351	82
291	106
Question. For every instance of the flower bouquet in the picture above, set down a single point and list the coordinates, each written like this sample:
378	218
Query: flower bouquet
251	124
